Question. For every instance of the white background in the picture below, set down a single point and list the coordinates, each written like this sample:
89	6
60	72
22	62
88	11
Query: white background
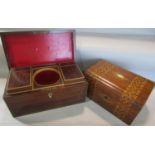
77	140
133	49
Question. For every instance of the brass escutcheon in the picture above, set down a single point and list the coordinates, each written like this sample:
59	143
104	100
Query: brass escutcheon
50	95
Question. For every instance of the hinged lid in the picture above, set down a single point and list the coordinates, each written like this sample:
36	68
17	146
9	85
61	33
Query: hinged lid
24	49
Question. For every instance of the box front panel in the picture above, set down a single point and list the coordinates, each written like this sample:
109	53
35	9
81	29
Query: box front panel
102	93
36	101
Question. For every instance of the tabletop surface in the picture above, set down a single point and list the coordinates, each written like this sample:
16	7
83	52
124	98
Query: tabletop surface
83	114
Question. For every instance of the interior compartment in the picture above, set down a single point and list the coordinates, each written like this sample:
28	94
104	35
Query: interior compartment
19	80
47	76
71	72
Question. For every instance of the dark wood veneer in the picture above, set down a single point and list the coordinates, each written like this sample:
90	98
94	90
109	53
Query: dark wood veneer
25	100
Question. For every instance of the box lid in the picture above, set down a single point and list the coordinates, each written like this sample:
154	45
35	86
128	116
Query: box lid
24	49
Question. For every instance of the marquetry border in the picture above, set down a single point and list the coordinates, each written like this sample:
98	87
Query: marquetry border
101	69
129	96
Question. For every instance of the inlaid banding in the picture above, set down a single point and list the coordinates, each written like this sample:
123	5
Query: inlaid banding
129	96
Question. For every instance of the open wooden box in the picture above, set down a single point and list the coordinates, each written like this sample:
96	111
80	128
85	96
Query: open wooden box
43	74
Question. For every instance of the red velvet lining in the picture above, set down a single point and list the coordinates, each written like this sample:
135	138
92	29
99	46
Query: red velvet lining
47	77
28	49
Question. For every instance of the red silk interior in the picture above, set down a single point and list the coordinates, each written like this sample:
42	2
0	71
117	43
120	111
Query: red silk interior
28	48
47	77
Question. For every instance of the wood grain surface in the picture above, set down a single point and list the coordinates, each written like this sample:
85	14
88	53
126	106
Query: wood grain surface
117	90
37	99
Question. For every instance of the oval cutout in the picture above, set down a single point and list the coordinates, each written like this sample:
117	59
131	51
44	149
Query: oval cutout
44	77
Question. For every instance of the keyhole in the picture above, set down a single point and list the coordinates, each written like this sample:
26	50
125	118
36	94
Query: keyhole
50	95
105	97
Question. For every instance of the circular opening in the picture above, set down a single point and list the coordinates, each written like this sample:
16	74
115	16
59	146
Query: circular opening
46	77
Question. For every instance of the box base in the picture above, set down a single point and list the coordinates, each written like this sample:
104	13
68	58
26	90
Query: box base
43	96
